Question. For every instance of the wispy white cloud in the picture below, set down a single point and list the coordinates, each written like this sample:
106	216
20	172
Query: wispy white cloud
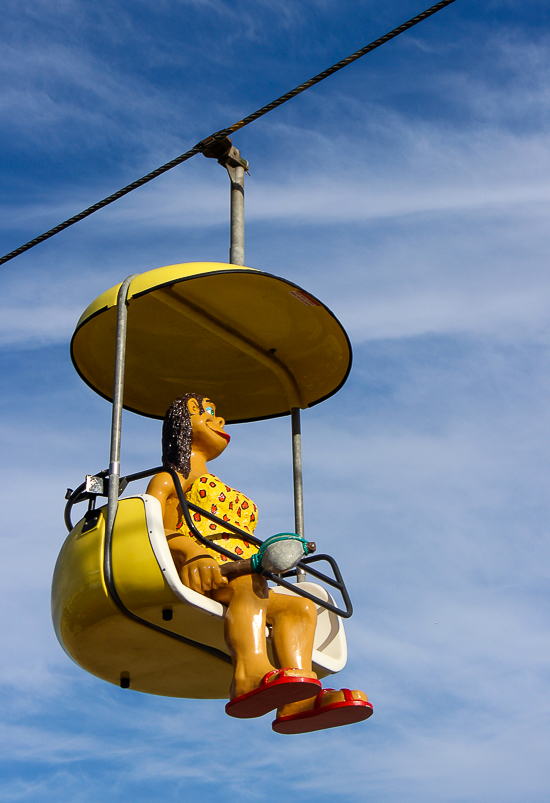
36	325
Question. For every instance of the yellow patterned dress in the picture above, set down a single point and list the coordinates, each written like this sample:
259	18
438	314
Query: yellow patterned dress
210	493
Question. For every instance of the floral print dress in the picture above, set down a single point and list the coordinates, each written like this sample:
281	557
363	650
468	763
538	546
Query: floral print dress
210	493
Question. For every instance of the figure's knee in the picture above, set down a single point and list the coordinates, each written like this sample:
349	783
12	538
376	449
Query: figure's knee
309	609
301	608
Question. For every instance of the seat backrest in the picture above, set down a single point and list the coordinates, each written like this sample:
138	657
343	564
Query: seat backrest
159	544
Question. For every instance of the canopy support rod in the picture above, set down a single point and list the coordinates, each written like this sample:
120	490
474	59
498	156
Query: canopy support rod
118	395
298	485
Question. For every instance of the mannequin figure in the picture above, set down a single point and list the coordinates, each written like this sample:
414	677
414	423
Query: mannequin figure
193	434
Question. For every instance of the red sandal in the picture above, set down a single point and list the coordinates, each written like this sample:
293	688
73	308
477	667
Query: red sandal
331	715
275	690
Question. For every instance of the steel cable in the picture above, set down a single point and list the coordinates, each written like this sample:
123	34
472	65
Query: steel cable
219	135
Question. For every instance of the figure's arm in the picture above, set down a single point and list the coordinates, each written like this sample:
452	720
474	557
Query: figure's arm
162	488
198	570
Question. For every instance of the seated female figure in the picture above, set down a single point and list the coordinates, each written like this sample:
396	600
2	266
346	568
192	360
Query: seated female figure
194	434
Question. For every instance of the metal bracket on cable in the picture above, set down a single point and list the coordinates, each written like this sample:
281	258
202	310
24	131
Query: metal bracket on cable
225	152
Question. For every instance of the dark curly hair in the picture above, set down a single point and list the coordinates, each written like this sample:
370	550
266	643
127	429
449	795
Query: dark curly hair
177	434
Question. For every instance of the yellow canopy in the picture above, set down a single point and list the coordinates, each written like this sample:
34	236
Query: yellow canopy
255	344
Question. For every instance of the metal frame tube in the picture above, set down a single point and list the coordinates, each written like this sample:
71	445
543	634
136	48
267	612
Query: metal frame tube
118	397
297	478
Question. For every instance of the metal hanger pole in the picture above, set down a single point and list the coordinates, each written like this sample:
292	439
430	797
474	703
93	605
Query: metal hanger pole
236	176
229	156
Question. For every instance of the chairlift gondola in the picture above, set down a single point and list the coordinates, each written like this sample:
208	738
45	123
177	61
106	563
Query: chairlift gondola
262	347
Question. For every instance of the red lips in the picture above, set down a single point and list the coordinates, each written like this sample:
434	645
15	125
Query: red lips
223	434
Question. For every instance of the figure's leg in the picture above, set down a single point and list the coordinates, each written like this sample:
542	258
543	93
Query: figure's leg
245	621
293	621
253	694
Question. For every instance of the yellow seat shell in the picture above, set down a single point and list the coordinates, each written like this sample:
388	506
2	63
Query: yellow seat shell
104	641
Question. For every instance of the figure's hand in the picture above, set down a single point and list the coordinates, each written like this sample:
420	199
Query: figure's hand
202	574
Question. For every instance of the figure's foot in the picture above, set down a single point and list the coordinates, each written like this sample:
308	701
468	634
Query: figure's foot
278	688
330	709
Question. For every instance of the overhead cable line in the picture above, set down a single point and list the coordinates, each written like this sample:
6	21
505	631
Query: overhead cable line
207	143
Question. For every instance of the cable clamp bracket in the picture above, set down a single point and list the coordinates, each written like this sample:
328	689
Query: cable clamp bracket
224	151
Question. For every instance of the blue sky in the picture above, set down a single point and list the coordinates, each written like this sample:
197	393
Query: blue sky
411	193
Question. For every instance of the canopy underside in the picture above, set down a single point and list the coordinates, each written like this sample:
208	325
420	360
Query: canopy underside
257	345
